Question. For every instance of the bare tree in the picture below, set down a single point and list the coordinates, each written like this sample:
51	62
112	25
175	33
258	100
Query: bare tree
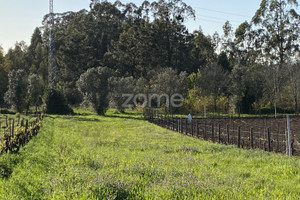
214	81
119	87
294	82
274	81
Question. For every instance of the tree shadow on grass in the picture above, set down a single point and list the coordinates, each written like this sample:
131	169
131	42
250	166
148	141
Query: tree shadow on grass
90	117
82	119
5	171
8	163
82	114
124	117
73	118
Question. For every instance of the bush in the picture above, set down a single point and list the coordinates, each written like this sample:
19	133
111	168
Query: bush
56	103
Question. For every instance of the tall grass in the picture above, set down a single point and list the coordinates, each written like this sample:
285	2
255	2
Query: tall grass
123	157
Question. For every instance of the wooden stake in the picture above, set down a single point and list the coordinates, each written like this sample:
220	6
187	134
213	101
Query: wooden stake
239	137
251	139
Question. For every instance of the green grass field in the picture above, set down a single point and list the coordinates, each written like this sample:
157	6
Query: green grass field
122	157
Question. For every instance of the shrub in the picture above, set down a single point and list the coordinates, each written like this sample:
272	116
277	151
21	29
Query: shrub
56	103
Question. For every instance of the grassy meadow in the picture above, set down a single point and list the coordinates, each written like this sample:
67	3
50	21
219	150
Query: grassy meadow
123	157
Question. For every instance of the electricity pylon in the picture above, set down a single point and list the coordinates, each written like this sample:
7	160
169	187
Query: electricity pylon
52	70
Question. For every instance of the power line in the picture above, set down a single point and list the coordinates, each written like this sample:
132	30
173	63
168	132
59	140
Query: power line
218	18
218	21
227	13
214	21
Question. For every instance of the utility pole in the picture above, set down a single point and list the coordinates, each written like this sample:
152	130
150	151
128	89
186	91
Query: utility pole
52	69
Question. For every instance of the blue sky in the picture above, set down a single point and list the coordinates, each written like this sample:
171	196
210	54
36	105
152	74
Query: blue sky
18	18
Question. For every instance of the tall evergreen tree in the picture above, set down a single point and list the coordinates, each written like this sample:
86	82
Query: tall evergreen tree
277	27
3	77
36	55
16	95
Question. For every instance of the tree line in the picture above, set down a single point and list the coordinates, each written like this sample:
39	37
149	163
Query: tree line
116	48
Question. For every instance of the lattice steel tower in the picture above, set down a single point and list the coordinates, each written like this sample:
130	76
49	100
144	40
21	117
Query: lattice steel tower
52	70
